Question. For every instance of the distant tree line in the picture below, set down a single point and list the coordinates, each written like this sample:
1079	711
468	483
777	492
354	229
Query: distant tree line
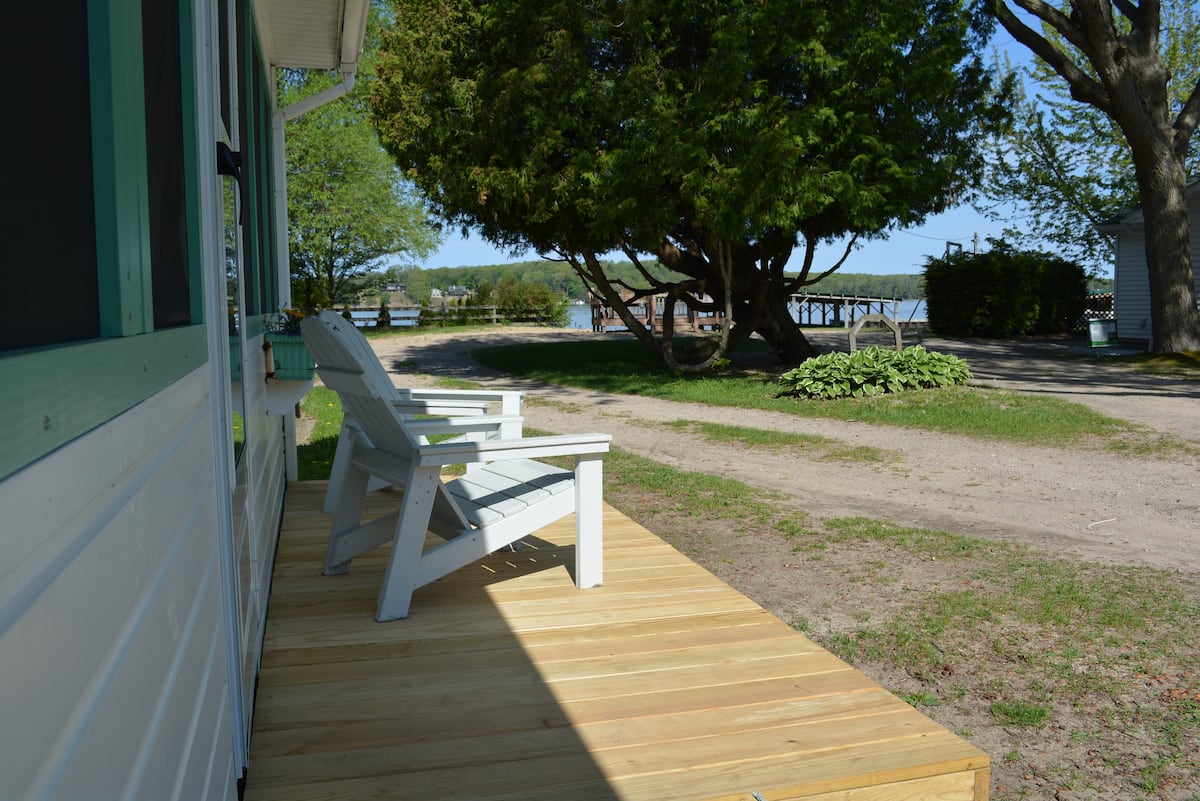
559	277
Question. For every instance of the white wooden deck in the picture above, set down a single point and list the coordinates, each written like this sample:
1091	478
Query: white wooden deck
506	682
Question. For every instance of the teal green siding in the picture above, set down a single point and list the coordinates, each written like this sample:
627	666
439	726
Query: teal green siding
68	391
55	394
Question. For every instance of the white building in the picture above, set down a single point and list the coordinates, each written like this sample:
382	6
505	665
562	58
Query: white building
137	532
1131	283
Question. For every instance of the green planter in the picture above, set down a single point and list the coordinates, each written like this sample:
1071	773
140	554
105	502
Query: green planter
235	359
292	359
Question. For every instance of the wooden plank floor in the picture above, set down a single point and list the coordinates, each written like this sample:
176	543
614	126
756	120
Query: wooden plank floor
508	683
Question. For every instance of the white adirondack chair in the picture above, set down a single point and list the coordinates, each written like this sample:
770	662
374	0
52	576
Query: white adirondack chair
411	402
505	497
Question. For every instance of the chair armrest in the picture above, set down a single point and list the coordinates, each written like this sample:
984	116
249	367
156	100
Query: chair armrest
459	425
421	393
443	408
495	450
509	399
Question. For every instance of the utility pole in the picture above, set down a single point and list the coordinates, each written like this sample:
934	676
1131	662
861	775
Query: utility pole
975	241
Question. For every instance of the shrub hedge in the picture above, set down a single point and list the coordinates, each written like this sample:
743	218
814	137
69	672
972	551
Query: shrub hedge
1004	293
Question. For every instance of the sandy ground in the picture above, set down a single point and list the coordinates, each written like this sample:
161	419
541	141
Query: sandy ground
1108	507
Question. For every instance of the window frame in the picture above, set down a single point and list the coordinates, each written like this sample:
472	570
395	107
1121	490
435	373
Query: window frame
57	393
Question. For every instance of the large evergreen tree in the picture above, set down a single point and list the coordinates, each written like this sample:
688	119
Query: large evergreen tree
717	136
1110	55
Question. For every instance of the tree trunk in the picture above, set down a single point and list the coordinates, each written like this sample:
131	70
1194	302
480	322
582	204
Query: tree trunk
777	327
1130	86
1174	319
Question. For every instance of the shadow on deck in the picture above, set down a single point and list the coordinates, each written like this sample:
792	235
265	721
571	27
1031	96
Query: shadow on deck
508	683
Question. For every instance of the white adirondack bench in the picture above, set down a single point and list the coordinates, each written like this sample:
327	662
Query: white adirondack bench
506	496
411	402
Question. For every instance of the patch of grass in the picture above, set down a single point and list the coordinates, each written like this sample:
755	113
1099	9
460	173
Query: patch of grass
923	698
1179	365
1020	713
920	542
315	455
625	367
810	446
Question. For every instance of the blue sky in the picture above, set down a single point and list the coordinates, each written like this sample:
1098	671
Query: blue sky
903	251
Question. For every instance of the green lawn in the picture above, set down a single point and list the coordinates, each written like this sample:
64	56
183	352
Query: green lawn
625	367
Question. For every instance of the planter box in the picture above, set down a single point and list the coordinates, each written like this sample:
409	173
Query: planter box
292	359
235	359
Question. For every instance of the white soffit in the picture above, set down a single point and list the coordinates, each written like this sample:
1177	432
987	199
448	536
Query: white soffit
302	34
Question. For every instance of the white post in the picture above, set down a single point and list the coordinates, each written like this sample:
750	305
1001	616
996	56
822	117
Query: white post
589	521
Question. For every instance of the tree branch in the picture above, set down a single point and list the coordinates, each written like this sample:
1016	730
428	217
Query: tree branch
1185	123
1127	8
798	283
1083	87
1053	17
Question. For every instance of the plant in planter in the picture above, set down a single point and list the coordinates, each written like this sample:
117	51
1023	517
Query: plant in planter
292	361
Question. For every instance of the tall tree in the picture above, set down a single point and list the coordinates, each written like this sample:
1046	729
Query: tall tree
1065	166
1109	54
717	136
349	208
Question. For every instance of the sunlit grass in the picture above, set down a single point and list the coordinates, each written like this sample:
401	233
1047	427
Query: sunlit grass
625	367
315	456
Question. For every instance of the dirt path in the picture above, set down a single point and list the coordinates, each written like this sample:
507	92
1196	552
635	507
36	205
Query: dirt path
1098	505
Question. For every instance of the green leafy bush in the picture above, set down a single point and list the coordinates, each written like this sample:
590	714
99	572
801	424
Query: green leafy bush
1004	293
872	371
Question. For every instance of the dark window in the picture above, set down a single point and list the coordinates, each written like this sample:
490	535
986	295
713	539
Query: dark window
249	203
265	199
223	56
49	291
165	169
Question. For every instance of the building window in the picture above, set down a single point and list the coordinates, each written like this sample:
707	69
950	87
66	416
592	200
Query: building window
165	163
50	287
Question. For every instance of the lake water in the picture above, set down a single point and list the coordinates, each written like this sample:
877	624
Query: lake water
906	310
581	316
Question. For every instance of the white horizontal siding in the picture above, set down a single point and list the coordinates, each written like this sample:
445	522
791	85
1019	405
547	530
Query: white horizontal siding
261	510
1131	287
1194	216
1131	284
112	649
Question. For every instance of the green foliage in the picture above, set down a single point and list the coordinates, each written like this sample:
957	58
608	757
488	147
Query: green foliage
1066	166
872	371
521	301
1004	293
1020	713
315	457
701	134
349	208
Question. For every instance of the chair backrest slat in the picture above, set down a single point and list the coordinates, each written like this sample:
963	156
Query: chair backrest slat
358	346
363	395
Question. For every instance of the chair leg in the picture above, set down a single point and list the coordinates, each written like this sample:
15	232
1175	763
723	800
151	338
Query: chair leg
400	578
589	521
347	514
341	465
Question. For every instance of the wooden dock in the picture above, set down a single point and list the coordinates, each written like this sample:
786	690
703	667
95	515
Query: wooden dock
508	683
651	310
816	310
